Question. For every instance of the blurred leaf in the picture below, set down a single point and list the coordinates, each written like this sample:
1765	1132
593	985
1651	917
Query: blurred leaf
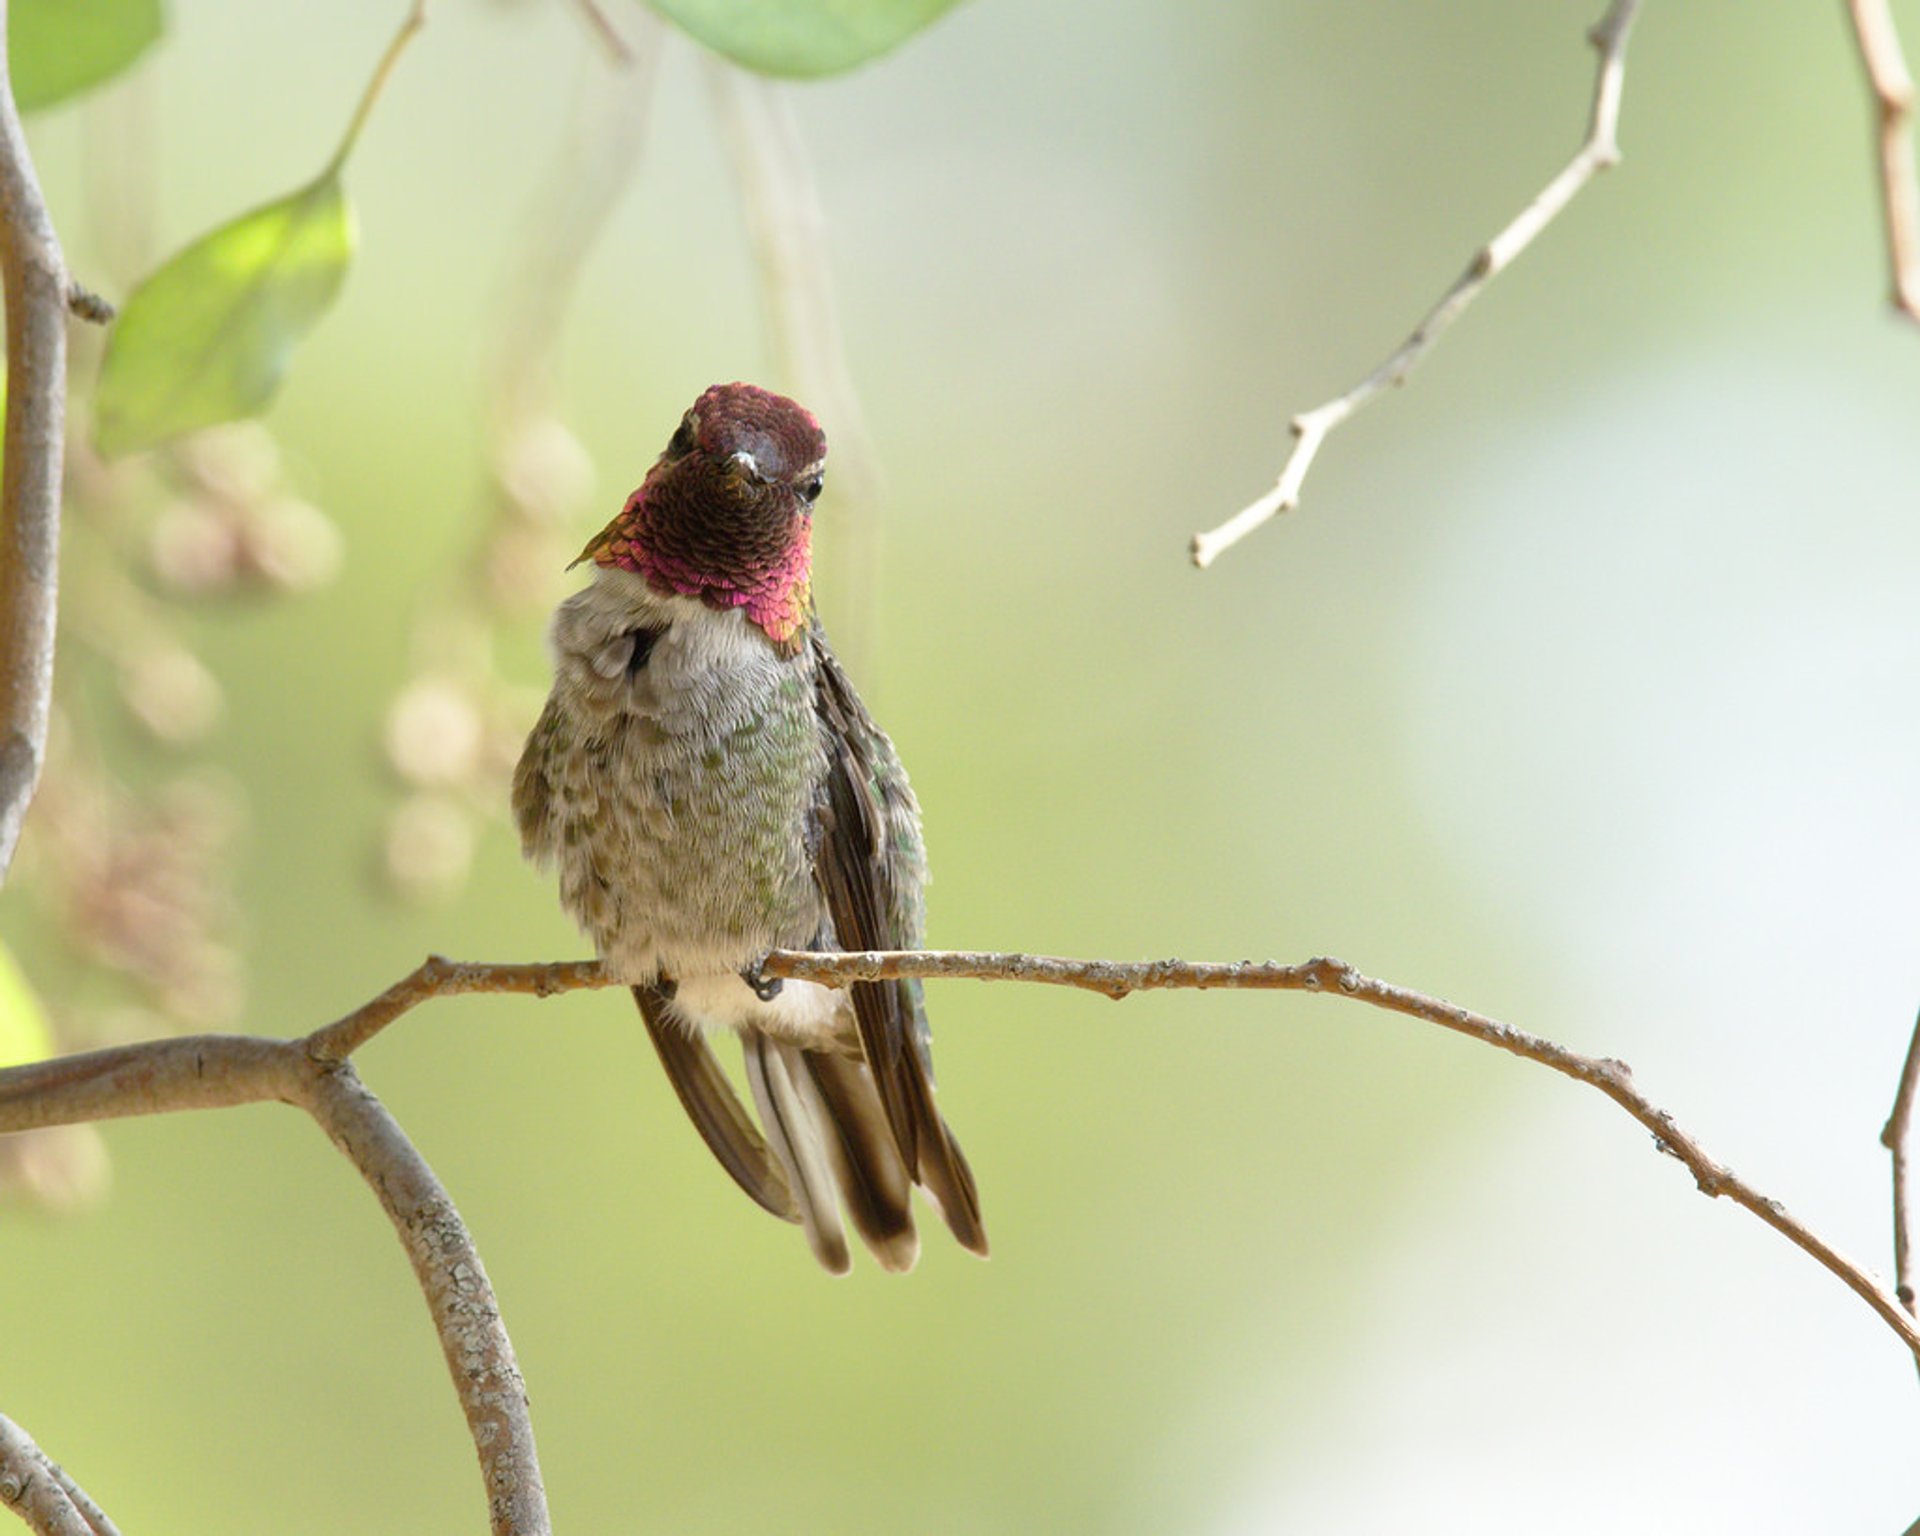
24	1033
801	37
208	337
57	48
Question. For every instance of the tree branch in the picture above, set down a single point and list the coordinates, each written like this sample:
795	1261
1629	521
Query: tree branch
36	1488
479	1355
219	1071
34	278
209	1070
1599	152
1892	87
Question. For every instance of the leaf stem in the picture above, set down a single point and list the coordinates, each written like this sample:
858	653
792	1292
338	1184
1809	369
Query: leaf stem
415	20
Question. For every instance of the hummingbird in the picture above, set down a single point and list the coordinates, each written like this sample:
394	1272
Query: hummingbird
709	788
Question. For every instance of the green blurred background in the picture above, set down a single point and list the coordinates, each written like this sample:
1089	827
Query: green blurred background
1581	691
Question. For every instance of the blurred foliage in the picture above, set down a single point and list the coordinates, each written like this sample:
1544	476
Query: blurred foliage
1260	1264
57	48
208	337
24	1035
801	37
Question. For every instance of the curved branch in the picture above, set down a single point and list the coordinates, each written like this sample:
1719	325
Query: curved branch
1599	151
479	1354
36	1488
1336	978
174	1074
220	1071
34	278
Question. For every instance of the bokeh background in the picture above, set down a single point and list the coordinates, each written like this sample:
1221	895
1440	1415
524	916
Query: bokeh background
1581	690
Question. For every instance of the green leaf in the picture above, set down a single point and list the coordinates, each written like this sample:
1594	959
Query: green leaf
24	1035
208	337
57	48
801	37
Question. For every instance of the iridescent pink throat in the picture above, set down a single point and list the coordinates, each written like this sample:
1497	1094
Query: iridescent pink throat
776	595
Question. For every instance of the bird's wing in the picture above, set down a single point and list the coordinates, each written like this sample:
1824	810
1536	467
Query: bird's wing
533	790
868	864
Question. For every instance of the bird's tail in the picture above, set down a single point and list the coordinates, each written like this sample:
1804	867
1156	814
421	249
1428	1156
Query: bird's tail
828	1142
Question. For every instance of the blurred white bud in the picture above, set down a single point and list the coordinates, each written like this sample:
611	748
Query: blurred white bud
523	567
171	693
293	544
194	549
239	463
61	1168
545	469
434	734
429	848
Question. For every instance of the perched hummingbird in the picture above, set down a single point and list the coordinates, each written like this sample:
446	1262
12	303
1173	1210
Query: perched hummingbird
710	788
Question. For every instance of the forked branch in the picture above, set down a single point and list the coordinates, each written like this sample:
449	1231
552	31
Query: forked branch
1599	151
218	1071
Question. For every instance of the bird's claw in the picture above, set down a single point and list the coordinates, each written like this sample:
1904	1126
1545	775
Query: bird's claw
766	988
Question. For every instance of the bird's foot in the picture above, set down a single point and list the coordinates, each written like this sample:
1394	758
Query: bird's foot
766	988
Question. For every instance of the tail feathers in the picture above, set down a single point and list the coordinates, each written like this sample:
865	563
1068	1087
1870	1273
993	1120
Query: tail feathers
715	1108
873	1181
776	1073
942	1168
830	1140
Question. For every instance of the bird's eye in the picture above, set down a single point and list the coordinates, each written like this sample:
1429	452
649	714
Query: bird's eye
682	439
810	489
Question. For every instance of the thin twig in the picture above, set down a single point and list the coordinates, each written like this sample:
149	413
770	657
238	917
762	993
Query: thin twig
1599	151
34	277
600	24
36	1489
787	229
410	26
1892	87
180	1074
1897	1138
440	977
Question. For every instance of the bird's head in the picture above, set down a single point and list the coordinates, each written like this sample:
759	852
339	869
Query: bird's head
726	513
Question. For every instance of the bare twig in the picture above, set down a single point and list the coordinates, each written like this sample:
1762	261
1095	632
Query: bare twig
209	1070
1897	1138
410	25
786	227
439	977
1598	152
34	277
610	37
1892	88
37	1489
